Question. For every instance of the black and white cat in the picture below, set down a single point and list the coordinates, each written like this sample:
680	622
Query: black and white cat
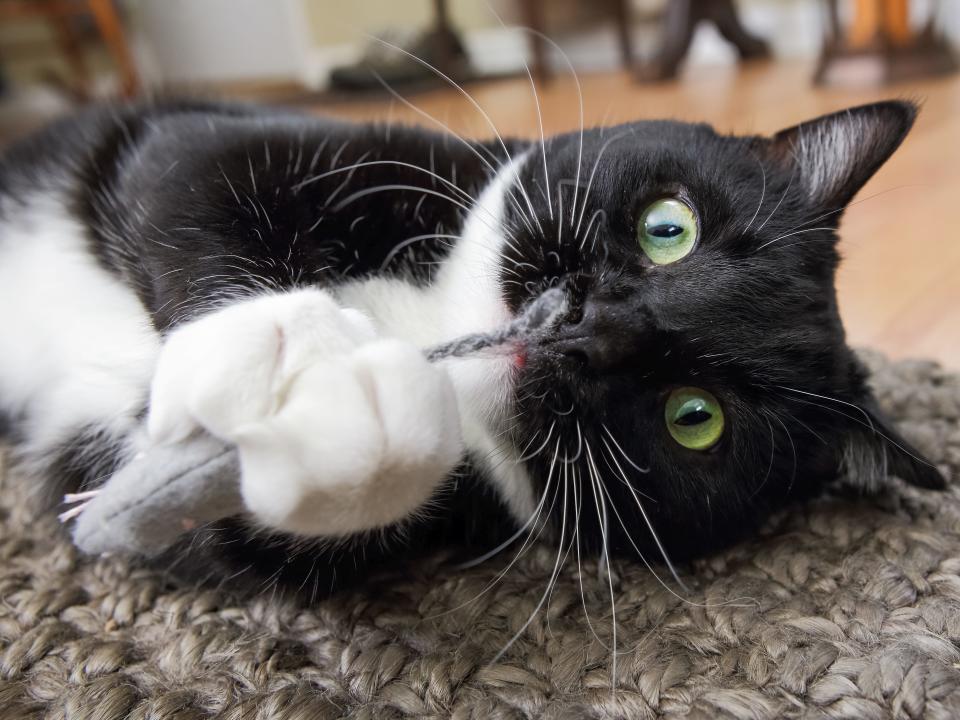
272	278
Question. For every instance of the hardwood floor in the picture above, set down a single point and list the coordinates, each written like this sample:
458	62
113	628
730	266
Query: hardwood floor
899	285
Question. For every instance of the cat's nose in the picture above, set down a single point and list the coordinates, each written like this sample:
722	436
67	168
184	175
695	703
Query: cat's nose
605	334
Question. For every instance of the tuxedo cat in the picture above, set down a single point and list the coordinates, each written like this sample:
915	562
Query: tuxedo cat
272	279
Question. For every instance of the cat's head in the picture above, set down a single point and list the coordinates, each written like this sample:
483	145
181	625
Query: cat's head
701	377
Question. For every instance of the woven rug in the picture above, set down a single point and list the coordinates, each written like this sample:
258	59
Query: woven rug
840	609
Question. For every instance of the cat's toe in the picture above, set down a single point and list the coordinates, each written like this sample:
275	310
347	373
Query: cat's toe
306	468
359	443
231	367
417	407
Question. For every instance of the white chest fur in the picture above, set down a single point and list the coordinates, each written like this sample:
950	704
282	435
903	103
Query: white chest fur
465	298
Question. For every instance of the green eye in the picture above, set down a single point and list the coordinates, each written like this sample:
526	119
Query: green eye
667	231
694	418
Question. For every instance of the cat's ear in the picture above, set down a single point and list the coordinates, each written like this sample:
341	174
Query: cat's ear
834	155
874	449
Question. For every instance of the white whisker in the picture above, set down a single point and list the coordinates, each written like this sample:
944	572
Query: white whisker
625	456
553	576
763	192
646	519
866	422
524	458
646	563
791	234
593	218
400	247
456	86
532	522
536	100
602	518
586	194
472	147
779	202
850	205
576	79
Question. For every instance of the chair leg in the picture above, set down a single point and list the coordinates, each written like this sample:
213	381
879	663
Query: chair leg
69	45
111	30
533	18
679	21
621	10
725	17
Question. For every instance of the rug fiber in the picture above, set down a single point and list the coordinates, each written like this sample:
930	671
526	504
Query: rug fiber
840	609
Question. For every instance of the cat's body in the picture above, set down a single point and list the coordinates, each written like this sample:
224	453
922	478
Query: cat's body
271	278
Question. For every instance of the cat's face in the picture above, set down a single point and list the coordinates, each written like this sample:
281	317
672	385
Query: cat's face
701	377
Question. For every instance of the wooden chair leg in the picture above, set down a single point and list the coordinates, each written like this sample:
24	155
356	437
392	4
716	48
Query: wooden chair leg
533	18
69	45
621	11
724	15
896	21
111	30
679	20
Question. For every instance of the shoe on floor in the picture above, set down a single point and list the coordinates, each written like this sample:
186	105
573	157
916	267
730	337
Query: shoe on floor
440	48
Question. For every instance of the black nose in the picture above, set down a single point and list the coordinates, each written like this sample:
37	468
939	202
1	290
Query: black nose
606	334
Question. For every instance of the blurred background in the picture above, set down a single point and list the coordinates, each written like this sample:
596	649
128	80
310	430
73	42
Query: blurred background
749	66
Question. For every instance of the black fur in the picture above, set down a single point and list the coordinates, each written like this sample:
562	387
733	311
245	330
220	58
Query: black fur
749	317
193	203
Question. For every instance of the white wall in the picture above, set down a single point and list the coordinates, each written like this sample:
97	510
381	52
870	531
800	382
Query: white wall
186	41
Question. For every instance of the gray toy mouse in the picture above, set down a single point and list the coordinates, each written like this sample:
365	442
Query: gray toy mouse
172	489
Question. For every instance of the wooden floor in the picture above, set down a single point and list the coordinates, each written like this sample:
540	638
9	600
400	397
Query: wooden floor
900	282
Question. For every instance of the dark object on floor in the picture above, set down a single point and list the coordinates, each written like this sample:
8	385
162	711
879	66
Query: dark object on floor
842	608
680	20
439	46
880	47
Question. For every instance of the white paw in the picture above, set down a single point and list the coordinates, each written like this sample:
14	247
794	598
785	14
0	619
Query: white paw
337	431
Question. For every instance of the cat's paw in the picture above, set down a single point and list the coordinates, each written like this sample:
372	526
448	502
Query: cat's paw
337	431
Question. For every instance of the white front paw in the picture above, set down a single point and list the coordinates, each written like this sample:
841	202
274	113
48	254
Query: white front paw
337	431
361	441
229	368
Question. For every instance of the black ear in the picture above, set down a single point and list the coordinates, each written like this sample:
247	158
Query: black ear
834	155
876	449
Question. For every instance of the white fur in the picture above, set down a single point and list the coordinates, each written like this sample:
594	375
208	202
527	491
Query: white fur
337	430
340	422
465	298
76	346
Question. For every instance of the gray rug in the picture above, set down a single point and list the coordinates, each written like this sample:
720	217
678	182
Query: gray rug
839	610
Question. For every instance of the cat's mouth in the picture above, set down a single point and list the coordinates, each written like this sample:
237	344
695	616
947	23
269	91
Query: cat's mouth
520	357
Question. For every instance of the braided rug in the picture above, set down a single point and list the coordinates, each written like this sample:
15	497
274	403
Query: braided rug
841	609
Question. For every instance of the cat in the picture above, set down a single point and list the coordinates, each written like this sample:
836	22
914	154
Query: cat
272	278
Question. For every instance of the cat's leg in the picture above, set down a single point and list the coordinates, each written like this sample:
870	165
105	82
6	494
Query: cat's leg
77	349
338	431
